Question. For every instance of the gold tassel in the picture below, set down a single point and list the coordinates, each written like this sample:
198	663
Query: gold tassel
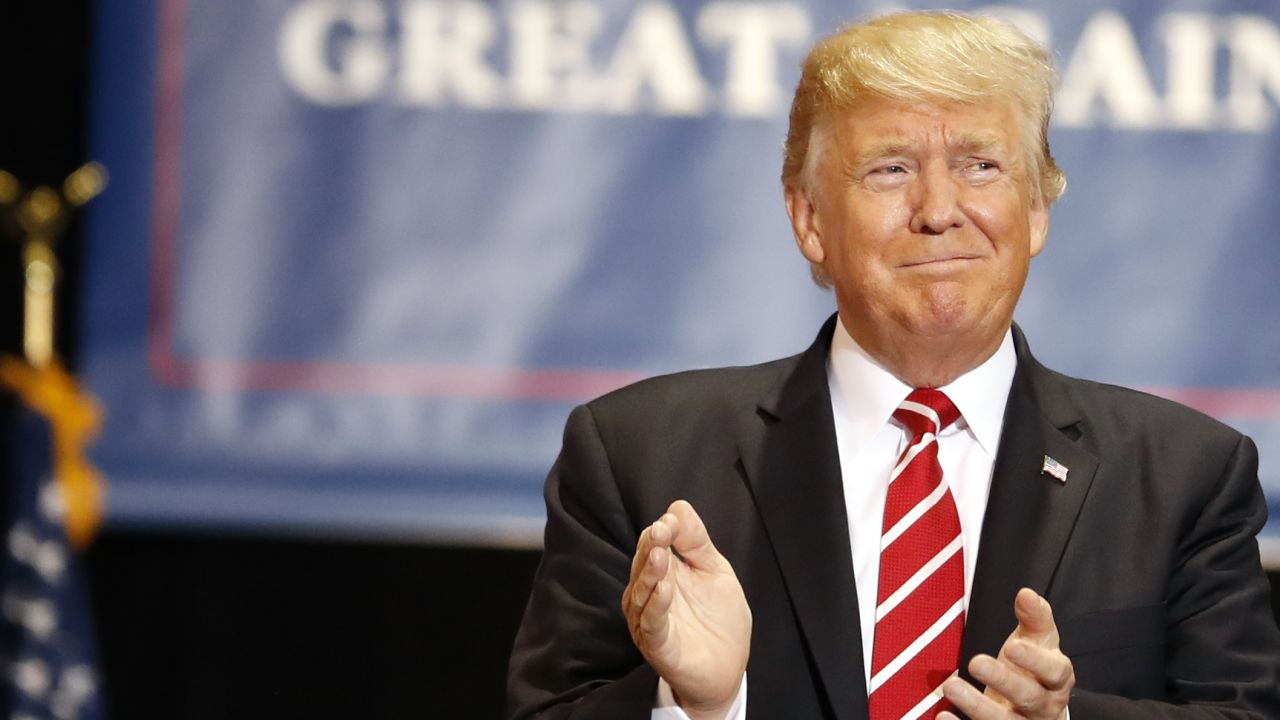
75	419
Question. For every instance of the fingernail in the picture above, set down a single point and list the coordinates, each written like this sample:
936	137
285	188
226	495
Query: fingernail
1016	651
980	665
954	691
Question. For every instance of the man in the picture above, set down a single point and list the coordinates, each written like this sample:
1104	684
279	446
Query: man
913	518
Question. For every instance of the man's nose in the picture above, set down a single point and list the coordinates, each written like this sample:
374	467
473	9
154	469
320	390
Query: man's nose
936	201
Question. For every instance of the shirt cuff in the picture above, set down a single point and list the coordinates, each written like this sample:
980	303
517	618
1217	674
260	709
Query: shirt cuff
665	707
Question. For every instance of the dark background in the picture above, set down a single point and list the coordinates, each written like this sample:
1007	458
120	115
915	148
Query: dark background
213	626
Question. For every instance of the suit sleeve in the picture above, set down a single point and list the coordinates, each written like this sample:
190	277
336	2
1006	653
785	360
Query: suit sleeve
1222	646
573	655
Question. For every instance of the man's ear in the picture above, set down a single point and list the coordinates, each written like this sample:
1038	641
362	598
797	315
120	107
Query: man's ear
805	223
1039	220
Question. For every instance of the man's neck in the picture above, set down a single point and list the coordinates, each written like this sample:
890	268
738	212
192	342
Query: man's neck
929	361
869	393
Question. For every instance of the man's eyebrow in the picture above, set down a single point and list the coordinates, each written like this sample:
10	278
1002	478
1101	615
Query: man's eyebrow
976	142
882	150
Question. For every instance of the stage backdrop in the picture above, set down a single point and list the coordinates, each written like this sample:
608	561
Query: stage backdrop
359	259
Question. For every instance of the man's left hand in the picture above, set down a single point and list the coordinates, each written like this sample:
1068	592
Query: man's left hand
1030	679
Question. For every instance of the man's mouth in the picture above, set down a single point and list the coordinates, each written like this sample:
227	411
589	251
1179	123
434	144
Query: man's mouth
941	261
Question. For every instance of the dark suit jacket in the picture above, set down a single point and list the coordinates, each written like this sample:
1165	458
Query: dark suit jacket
1146	552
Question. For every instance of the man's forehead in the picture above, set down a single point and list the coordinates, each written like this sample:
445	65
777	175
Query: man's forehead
889	126
957	141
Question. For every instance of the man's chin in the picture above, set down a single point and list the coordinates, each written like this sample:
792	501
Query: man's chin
958	329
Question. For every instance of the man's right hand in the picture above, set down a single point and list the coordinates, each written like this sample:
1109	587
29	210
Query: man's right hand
687	613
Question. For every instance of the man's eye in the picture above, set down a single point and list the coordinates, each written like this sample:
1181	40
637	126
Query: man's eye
984	165
892	169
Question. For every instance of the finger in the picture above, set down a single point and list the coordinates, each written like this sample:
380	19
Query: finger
972	703
1048	666
1014	686
638	586
691	540
655	616
654	572
658	534
1035	618
643	544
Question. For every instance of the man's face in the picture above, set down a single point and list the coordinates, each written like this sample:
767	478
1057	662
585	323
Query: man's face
923	218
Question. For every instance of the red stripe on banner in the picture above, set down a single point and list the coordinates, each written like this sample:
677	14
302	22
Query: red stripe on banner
166	192
1235	403
404	380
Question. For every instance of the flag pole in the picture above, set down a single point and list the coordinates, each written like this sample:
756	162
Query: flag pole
41	381
42	214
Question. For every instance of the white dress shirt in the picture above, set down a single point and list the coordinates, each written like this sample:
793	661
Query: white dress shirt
870	442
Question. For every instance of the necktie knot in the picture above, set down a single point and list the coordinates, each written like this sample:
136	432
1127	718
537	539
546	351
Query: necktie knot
926	411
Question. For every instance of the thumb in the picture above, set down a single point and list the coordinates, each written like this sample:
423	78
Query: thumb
691	540
1035	616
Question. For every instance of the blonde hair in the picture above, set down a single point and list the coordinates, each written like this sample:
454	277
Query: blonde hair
934	57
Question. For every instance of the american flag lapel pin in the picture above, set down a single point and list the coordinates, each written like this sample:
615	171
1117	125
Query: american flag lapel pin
1054	468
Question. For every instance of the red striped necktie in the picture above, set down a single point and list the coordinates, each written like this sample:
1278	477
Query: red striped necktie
920	601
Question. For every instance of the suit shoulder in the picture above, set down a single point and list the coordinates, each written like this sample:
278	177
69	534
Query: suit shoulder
1126	409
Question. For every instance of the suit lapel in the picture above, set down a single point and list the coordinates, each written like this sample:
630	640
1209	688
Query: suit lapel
1030	514
793	469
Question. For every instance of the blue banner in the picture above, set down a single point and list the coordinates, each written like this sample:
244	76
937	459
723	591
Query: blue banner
360	258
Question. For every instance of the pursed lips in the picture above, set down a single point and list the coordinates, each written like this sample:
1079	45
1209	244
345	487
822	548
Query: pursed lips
941	261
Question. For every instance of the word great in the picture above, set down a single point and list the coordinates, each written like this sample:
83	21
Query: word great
724	57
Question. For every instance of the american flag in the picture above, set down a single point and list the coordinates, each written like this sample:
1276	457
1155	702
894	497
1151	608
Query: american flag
1054	468
47	663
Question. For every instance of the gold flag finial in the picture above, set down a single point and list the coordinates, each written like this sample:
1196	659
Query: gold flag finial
42	214
85	183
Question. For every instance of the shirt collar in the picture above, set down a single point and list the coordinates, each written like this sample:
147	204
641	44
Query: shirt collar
867	394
